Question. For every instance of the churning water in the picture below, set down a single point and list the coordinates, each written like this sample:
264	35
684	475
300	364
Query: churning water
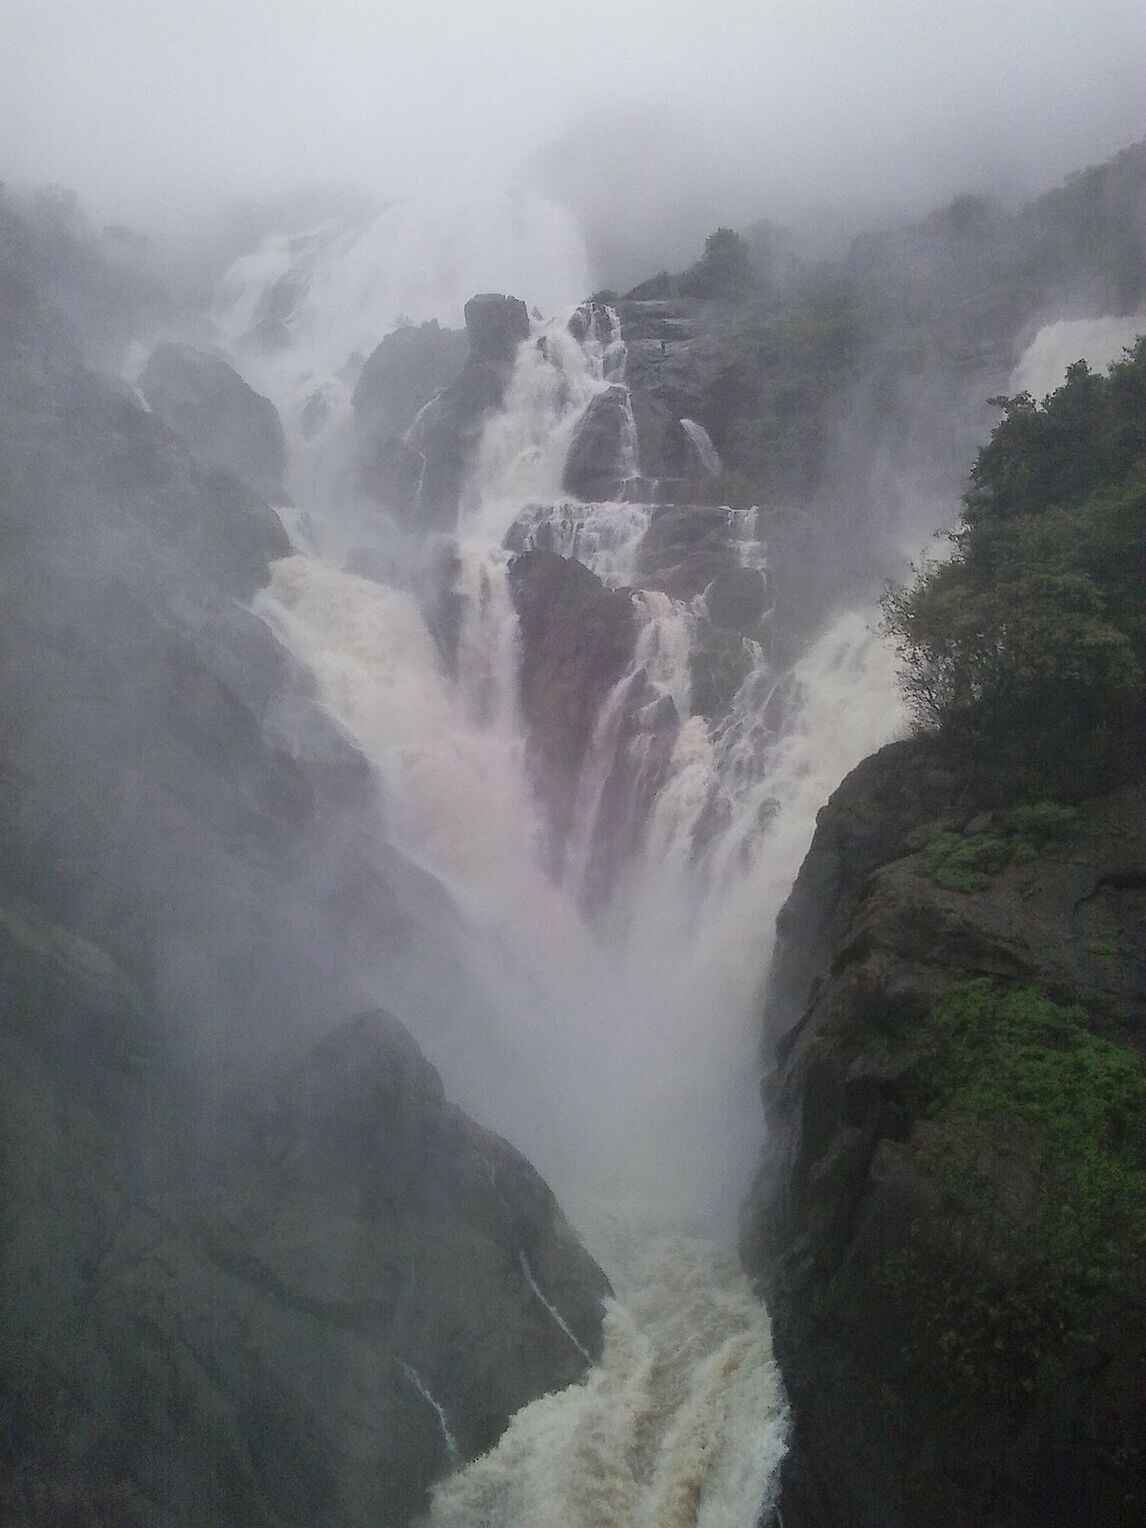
624	1049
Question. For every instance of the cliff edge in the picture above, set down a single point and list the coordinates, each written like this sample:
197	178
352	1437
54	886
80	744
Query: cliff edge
949	1223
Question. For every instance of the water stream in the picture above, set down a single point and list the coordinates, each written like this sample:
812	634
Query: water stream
624	1055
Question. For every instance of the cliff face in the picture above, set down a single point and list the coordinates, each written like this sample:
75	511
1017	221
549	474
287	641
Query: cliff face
254	1267
948	1227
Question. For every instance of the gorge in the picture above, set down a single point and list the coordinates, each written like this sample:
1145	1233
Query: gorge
415	738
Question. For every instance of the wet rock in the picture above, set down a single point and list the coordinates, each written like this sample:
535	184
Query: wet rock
255	1242
927	1315
647	733
403	373
262	1336
419	475
593	466
735	599
577	639
719	664
496	325
224	421
591	318
686	549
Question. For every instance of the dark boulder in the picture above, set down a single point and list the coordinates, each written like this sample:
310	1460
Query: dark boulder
496	325
224	421
686	549
591	321
403	373
445	436
957	1310
735	599
577	640
419	474
392	470
264	1334
595	463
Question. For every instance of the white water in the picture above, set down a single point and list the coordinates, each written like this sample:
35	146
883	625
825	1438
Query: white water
701	442
443	1422
1098	341
622	1057
558	1319
681	1425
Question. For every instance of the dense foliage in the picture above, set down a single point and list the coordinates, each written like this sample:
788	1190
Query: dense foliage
1027	648
724	270
1001	1071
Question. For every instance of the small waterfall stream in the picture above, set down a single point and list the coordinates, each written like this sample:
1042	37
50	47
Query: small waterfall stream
624	1061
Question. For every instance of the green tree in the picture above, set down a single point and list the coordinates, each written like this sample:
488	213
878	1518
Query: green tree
724	270
1027	648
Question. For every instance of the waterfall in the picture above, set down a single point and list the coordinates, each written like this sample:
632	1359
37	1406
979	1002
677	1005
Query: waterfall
439	1411
701	442
558	1319
619	1051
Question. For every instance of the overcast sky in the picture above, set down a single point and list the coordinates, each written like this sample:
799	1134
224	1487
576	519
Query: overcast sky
139	102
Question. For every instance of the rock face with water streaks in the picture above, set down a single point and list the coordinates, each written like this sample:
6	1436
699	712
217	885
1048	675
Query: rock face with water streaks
419	473
948	1227
593	465
225	422
255	1268
577	641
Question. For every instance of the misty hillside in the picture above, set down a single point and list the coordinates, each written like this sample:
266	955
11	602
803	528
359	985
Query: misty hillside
571	915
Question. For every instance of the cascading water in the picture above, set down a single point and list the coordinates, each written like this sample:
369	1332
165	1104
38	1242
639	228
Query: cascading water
623	1057
701	442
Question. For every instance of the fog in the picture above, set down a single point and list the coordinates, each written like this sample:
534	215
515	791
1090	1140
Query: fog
684	112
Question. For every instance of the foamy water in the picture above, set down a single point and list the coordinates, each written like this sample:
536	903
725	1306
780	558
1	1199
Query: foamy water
622	1057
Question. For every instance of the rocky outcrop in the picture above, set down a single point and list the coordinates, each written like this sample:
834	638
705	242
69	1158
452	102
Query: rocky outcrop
496	325
332	1309
686	549
419	474
676	350
225	422
577	640
403	373
948	1225
254	1269
594	464
734	599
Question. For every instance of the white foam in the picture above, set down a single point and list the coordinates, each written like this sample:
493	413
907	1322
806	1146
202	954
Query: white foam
1098	341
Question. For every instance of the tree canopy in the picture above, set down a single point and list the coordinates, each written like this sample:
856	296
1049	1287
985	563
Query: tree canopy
1026	649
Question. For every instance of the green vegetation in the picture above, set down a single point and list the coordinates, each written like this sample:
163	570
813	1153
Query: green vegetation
724	270
1026	651
967	861
1037	1139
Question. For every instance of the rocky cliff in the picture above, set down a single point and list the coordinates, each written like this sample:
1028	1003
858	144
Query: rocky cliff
255	1268
949	1225
418	417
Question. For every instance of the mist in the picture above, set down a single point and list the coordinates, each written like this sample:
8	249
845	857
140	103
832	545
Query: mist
423	681
687	115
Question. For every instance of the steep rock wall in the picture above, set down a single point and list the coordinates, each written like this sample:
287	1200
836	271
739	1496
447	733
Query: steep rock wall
947	1225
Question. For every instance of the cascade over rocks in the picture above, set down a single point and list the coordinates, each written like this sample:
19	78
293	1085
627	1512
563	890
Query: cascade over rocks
235	1288
591	318
923	1292
675	354
224	421
686	549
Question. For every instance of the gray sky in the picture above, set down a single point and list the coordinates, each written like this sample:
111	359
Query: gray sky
139	103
